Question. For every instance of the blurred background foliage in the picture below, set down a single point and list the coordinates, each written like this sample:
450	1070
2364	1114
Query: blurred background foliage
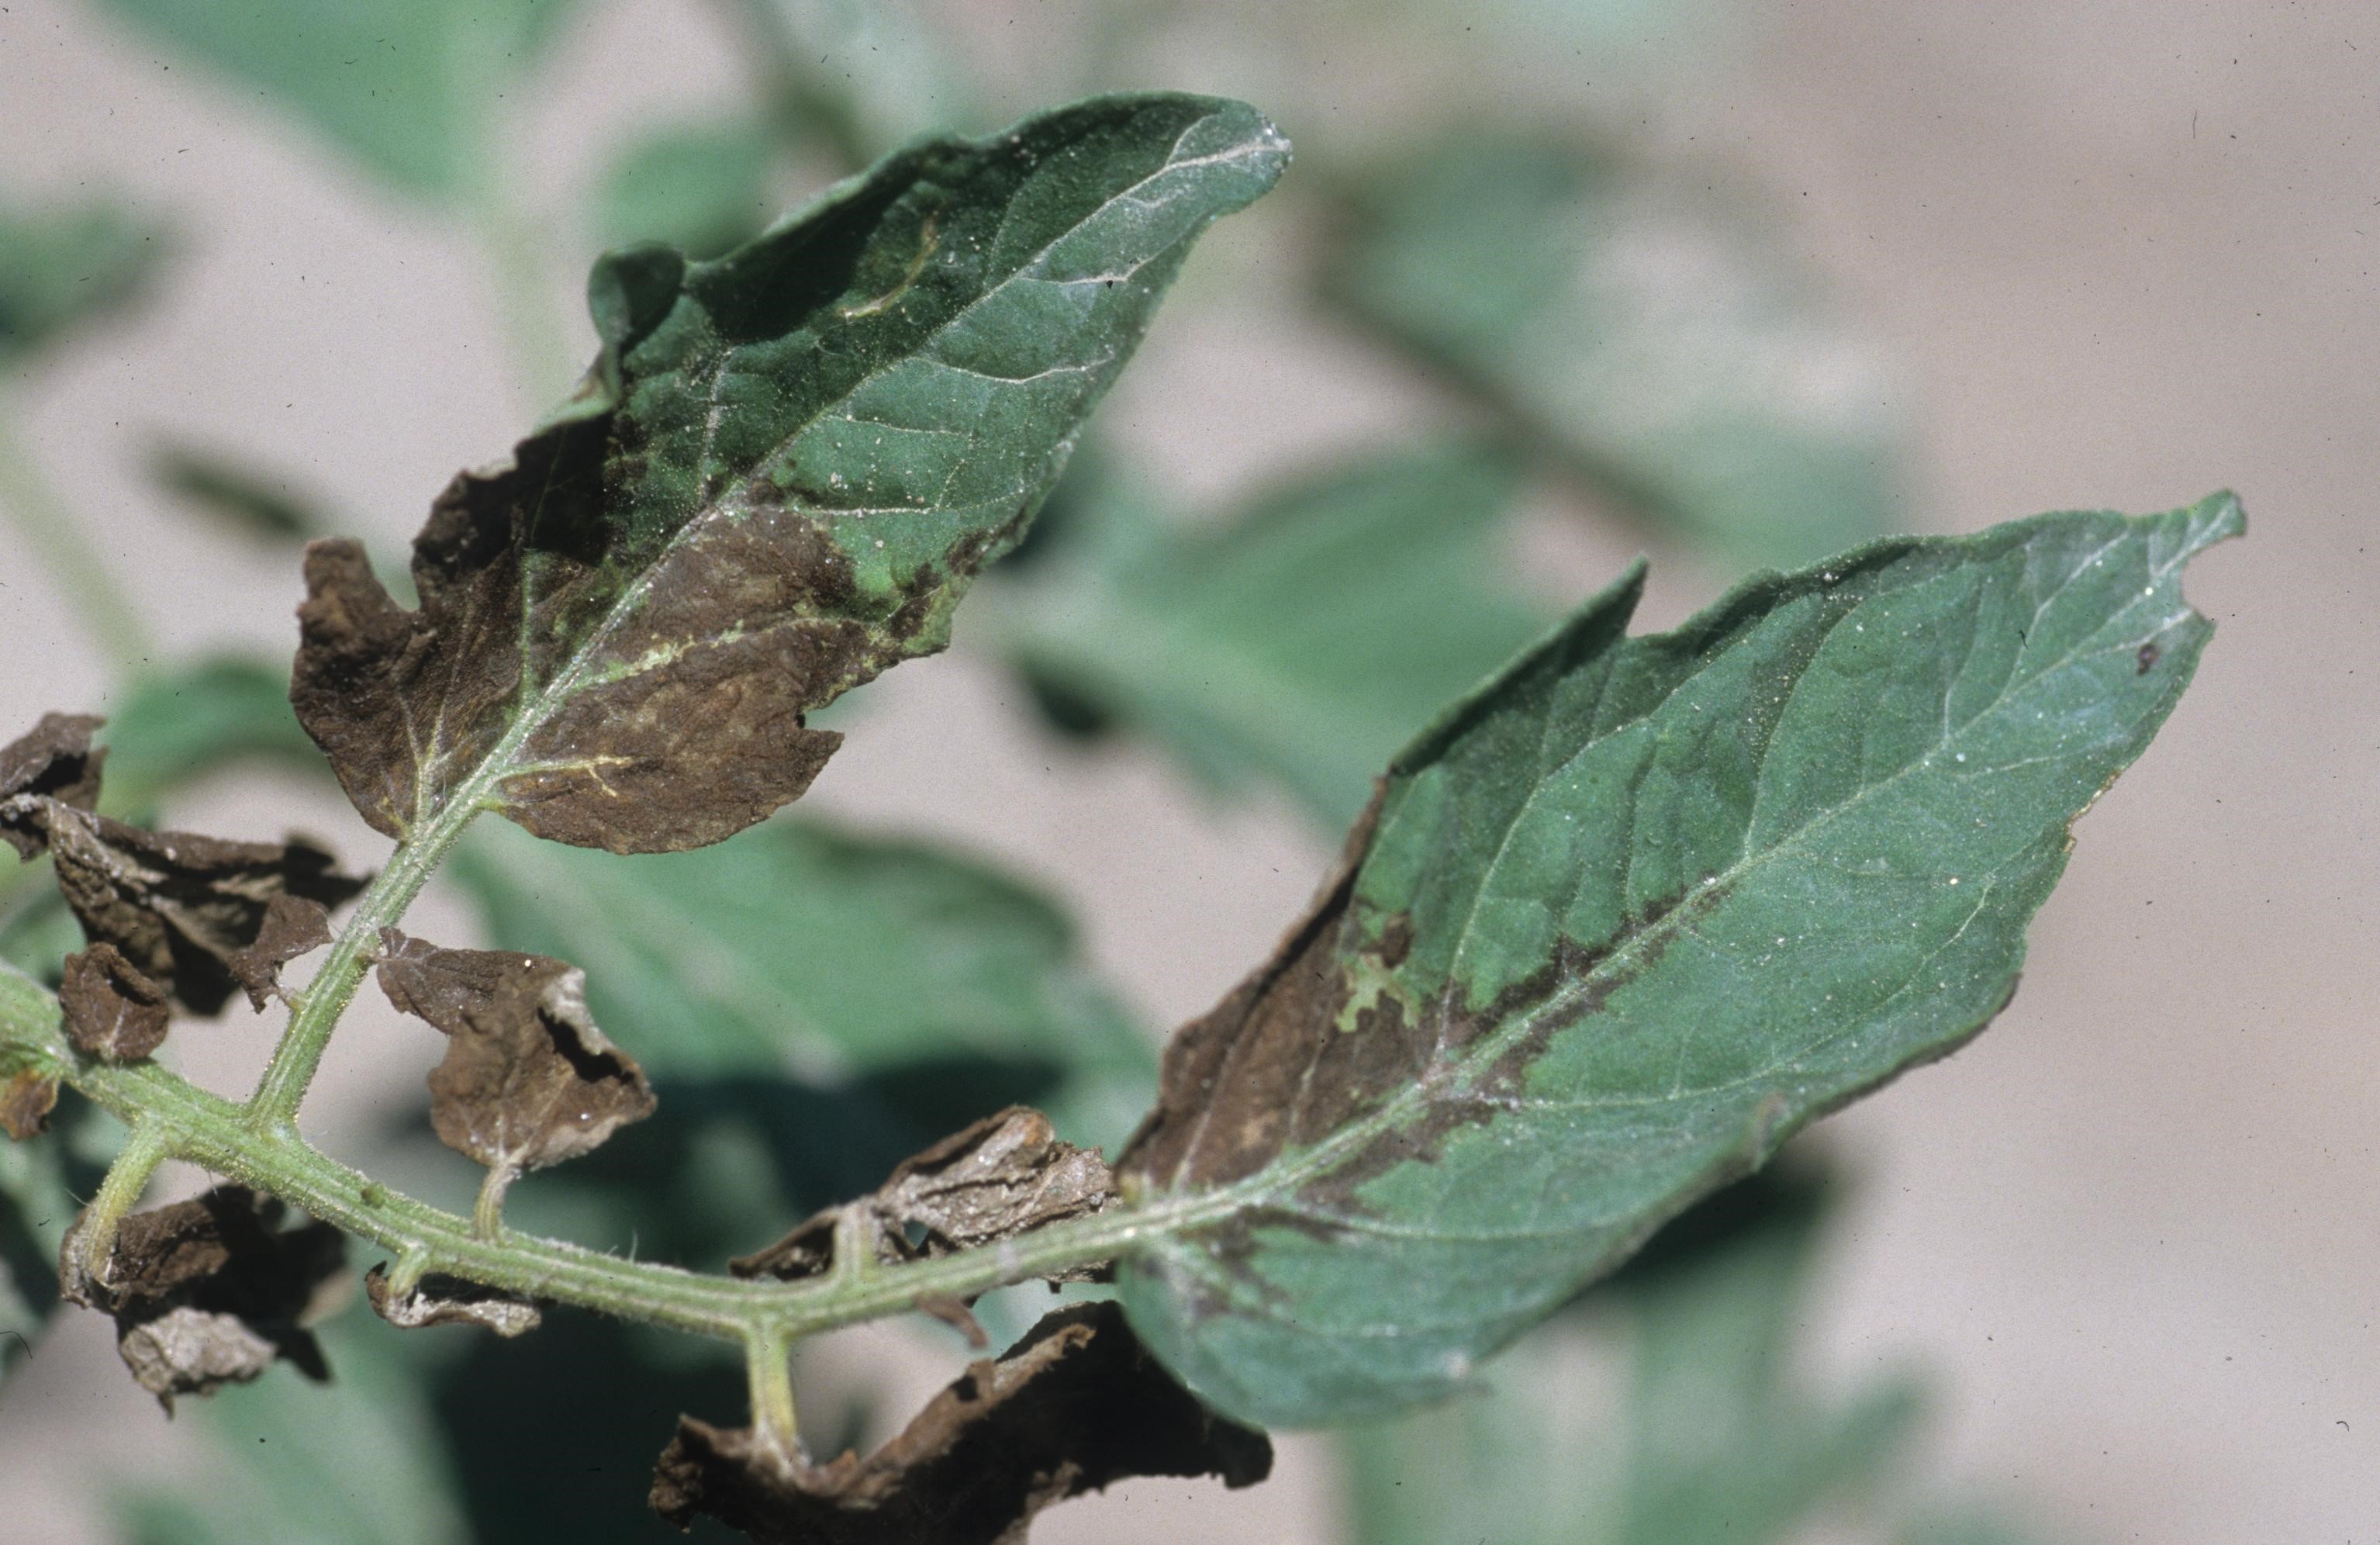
1638	336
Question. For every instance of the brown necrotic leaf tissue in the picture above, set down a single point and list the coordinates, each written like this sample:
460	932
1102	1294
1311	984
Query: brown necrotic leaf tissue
112	1010
292	924
441	1300
1005	1175
527	1080
55	762
209	1292
178	907
1077	1406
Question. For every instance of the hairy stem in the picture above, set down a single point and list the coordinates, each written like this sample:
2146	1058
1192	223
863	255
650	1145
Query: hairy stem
61	543
488	1210
119	1194
184	1122
768	1355
326	998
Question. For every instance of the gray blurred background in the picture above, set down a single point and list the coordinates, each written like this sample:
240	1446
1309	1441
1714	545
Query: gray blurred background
2117	255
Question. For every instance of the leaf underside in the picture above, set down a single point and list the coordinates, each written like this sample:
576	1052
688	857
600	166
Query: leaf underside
783	471
1622	921
1302	642
1649	329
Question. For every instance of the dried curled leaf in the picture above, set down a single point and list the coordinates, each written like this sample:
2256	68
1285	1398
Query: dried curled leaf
783	471
211	1291
177	905
527	1080
440	1300
292	924
26	1101
1077	1406
1005	1175
112	1010
57	760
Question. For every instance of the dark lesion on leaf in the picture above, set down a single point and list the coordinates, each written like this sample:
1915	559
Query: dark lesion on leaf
211	1291
1269	1067
1311	1042
1006	1174
1074	1406
438	1299
527	1080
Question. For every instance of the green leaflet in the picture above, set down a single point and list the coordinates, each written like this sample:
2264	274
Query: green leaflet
185	722
1623	919
411	91
798	948
36	1204
1302	642
703	187
867	74
1710	1440
61	265
784	470
1650	332
237	495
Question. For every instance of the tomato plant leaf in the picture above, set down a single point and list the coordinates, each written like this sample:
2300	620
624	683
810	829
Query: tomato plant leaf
292	924
178	906
56	760
1712	1438
1302	642
785	469
26	1097
242	498
180	725
701	188
1075	1405
1649	328
112	1009
67	264
912	957
269	1445
1003	1176
448	1301
411	91
210	1290
864	75
527	1080
1619	922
